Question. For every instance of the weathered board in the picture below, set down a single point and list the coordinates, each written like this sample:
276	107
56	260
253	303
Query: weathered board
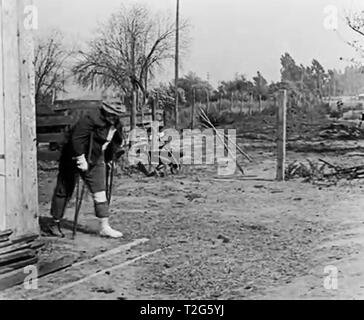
18	276
48	155
11	87
50	137
29	214
18	163
56	121
2	137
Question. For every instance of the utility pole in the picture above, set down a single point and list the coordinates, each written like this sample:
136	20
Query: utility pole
176	111
193	109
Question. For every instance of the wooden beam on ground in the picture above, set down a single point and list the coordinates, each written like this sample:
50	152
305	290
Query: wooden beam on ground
15	247
46	269
18	277
6	234
5	244
16	256
281	135
25	239
95	275
17	266
118	250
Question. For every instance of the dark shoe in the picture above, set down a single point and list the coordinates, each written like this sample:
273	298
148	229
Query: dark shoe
152	174
53	229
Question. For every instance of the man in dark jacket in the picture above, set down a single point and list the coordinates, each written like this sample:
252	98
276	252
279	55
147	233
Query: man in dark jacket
91	144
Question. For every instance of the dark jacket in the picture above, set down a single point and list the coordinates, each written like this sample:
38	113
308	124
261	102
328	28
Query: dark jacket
78	139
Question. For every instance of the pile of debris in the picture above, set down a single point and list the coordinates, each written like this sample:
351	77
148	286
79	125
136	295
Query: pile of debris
17	253
337	131
322	172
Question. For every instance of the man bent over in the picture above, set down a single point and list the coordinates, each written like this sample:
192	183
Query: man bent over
98	135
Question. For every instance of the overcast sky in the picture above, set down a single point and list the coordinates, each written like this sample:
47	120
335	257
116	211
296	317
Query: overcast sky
228	36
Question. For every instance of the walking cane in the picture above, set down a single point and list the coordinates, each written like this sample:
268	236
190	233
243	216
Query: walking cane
79	197
109	181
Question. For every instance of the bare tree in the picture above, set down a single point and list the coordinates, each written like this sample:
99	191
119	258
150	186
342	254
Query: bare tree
50	61
127	51
355	21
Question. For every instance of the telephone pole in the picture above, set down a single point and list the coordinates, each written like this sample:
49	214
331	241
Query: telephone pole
176	111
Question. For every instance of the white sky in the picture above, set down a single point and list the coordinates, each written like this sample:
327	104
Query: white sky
228	36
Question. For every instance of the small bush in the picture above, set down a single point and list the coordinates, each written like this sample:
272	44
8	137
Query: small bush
217	118
336	114
359	107
324	108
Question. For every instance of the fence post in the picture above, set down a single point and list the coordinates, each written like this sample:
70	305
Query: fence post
154	109
251	104
260	104
193	110
133	114
281	134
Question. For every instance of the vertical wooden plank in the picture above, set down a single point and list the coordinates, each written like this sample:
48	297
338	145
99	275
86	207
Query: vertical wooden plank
154	109
29	213
13	160
281	132
2	134
133	114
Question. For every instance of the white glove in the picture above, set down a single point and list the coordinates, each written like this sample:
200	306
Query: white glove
82	163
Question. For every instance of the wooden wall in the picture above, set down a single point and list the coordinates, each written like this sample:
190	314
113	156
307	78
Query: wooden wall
18	169
2	135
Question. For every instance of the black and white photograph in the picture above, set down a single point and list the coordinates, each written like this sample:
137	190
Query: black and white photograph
181	150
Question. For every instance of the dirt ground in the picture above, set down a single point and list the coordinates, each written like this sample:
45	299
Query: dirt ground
216	238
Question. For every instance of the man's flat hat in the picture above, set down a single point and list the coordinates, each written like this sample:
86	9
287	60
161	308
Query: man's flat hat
113	108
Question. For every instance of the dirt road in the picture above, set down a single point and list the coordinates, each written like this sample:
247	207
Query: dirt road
215	238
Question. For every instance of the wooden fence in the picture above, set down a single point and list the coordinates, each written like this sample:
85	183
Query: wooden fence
53	122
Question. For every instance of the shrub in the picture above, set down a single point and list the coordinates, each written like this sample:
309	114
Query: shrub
217	118
336	114
359	107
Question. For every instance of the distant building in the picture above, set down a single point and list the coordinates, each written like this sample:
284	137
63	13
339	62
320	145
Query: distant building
361	97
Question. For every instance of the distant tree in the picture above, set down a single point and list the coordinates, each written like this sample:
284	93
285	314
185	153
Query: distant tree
290	71
50	60
165	95
240	88
195	87
127	51
319	77
260	86
355	21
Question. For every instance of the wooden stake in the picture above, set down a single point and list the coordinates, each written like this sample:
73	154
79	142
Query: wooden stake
222	140
281	132
204	115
